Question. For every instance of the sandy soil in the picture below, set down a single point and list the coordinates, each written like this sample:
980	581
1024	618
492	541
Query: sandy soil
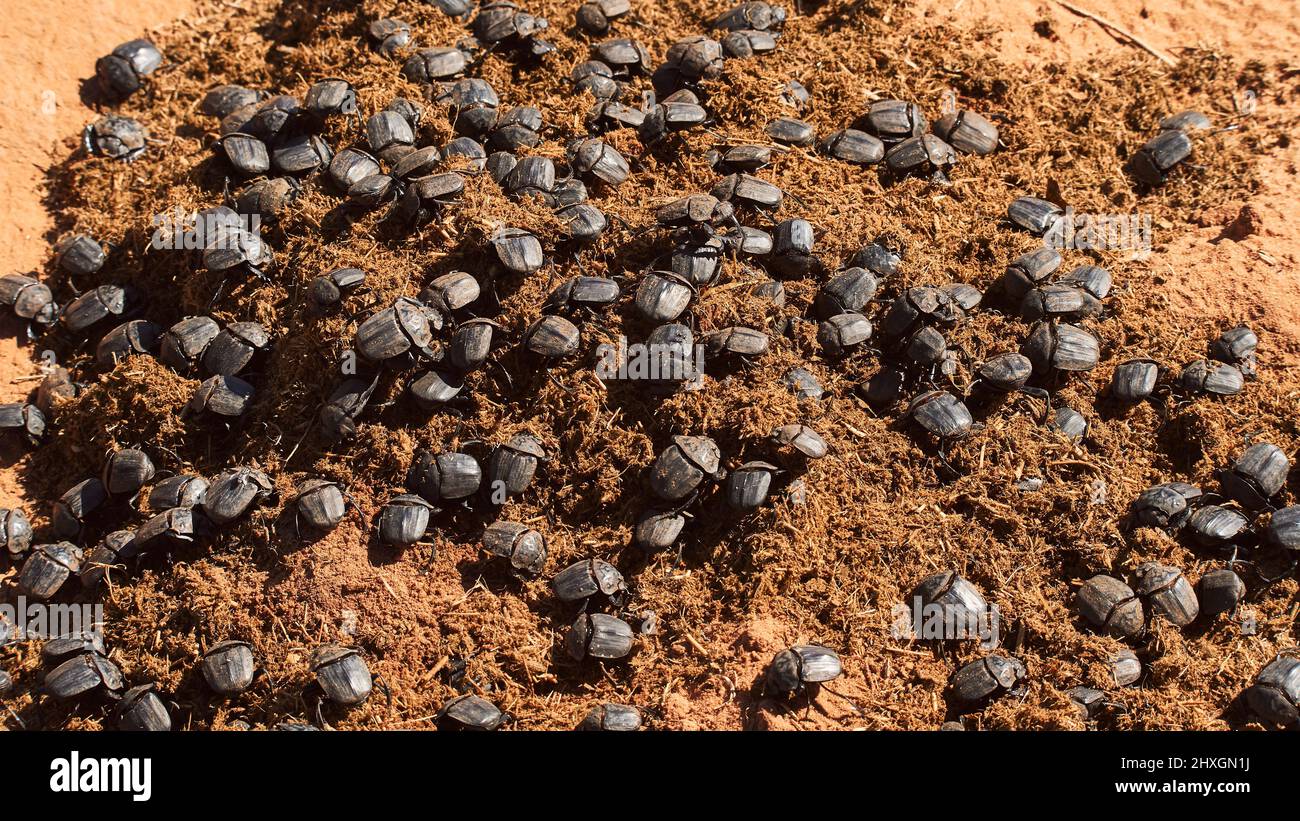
1238	263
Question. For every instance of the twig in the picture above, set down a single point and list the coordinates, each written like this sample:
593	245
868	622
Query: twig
1114	29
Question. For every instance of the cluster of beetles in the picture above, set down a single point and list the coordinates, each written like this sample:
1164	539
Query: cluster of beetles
271	147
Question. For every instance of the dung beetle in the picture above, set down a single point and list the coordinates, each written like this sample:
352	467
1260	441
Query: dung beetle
513	464
748	485
596	160
28	419
926	154
968	132
1058	301
985	679
76	506
893	121
15	533
1220	591
404	520
328	289
141	710
136	337
451	292
803	666
220	398
594	16
552	337
801	439
29	298
942	414
736	341
698	213
126	471
183	344
1093	280
320	503
98	305
231	350
122	71
303	154
339	414
228	667
851	145
105	560
471	343
84	673
221	101
1134	380
79	254
600	636
473	104
584	579
47	568
518	544
390	36
234	493
330	97
1284	528
684	465
693	58
1275	695
57	649
1236	346
1037	216
349	167
1028	271
469	712
1256	476
1154	161
752	14
436	387
1061	347
519	127
658	529
1111	606
428	65
342	674
792	246
174	527
843	333
960	603
1125	668
518	250
663	296
789	131
747	43
1167	593
449	476
612	718
398	334
1214	378
1166	505
1216	526
748	190
624	55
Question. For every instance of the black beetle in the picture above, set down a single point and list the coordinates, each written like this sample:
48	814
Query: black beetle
601	636
1154	161
748	485
513	464
404	520
228	667
518	544
1256	476
449	476
469	712
682	466
321	503
122	71
1275	695
1220	591
15	533
234	493
1112	606
612	717
84	673
1167	592
1166	505
342	674
126	471
985	679
803	666
141	710
587	578
1134	379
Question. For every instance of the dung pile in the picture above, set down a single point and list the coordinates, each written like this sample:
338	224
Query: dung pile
1023	512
